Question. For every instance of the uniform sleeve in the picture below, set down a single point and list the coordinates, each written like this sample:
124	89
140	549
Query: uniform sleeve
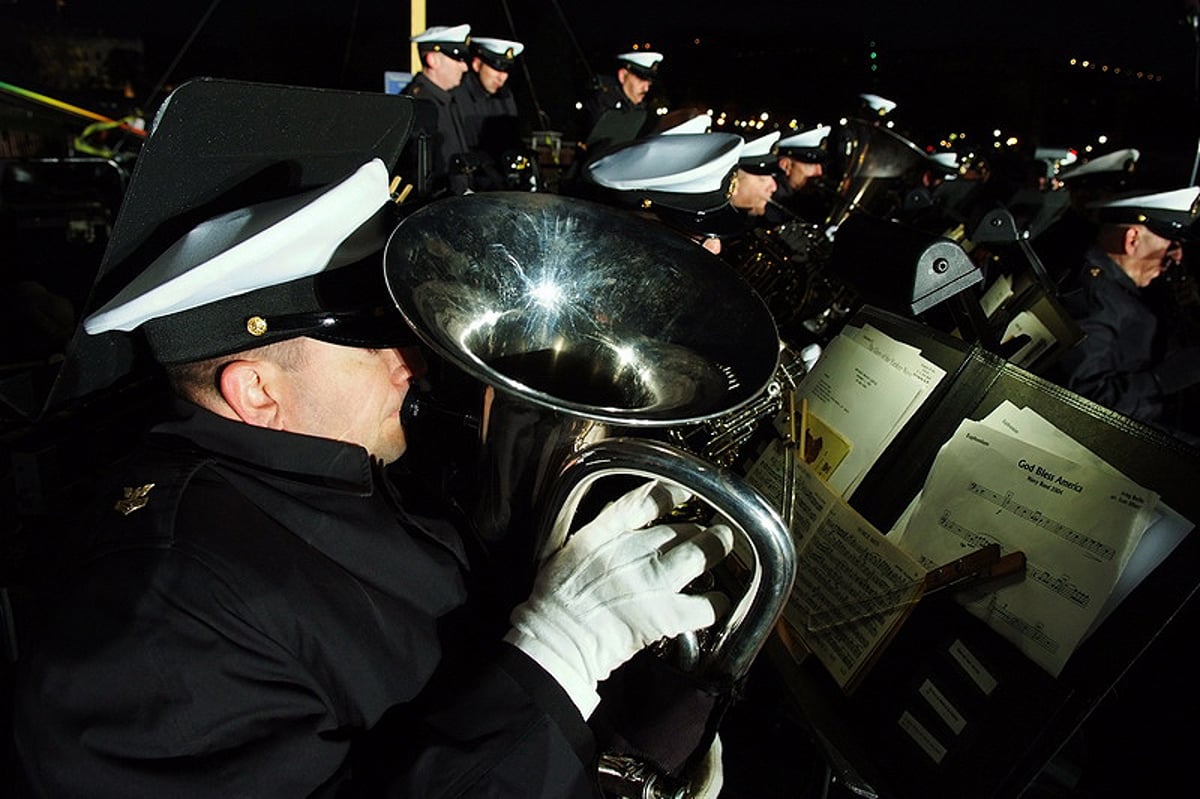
1096	369
510	731
159	683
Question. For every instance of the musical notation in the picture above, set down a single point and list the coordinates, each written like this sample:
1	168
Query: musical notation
1060	584
1033	633
1096	550
971	538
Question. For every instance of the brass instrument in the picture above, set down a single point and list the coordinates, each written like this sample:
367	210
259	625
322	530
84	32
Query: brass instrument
591	325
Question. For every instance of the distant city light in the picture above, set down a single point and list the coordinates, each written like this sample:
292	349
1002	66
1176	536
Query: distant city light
996	133
764	116
1102	139
1011	141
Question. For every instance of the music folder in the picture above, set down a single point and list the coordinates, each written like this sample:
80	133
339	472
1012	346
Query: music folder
950	708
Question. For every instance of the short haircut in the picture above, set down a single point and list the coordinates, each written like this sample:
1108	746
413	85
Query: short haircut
200	381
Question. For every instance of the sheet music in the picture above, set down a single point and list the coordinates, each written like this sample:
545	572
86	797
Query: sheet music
1022	484
863	389
853	587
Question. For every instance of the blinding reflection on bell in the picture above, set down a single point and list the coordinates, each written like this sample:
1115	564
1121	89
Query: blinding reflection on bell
581	308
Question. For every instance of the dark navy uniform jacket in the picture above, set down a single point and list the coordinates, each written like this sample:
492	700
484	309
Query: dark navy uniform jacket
449	138
1119	361
490	121
277	620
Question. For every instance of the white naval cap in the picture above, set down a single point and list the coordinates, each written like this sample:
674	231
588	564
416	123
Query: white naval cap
805	145
687	178
880	105
258	247
449	39
1171	214
758	155
697	124
644	64
1118	161
947	161
499	54
1055	158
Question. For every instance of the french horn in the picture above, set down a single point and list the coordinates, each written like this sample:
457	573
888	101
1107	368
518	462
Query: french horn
595	331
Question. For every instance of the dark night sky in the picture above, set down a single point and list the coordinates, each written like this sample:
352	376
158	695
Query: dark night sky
951	65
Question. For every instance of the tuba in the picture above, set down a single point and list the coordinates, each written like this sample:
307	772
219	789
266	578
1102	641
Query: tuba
596	332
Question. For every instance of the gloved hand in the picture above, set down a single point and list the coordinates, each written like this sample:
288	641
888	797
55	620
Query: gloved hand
613	589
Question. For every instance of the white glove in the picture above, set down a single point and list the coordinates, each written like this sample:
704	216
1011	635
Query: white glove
613	590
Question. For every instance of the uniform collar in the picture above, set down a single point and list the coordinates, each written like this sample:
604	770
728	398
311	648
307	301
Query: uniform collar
1099	259
335	464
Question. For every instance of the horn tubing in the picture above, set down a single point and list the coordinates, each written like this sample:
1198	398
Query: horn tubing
745	630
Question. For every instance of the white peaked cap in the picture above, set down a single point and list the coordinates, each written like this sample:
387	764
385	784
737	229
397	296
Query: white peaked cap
806	138
443	33
687	163
761	146
697	124
1057	155
1181	200
645	59
498	46
948	161
249	249
1110	162
877	103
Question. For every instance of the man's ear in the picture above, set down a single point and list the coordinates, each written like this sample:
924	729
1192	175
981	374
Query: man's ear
1129	240
247	388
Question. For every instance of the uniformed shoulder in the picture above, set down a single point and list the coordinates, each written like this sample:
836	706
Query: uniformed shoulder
136	502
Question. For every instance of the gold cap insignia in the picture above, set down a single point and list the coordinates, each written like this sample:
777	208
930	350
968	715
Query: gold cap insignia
256	326
134	499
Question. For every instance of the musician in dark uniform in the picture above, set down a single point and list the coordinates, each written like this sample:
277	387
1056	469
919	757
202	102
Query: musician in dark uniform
615	112
758	178
1126	362
490	120
444	52
270	605
801	159
684	180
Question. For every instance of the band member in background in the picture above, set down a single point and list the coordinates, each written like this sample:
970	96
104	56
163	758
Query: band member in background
496	155
1127	361
444	52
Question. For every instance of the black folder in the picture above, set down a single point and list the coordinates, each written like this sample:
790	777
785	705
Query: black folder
884	739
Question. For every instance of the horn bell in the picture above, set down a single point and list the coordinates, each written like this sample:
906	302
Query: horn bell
587	310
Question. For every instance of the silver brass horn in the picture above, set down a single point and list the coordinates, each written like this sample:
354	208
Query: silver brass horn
591	323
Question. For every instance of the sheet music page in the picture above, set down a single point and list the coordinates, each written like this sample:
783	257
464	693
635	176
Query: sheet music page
1166	530
853	586
857	398
1076	520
